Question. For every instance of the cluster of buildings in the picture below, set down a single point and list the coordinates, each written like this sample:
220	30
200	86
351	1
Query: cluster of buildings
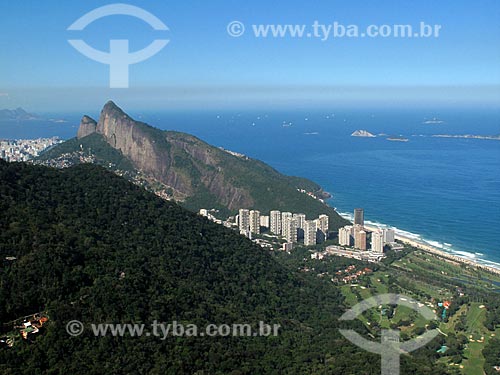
354	240
208	214
290	226
363	255
28	327
356	235
311	194
25	149
350	274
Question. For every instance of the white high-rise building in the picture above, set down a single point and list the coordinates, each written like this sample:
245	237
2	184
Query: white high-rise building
285	216
254	221
290	228
323	223
360	240
300	219
389	236
378	241
345	234
264	221
275	222
244	220
310	229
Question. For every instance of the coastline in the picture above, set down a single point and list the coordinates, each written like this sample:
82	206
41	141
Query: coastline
416	241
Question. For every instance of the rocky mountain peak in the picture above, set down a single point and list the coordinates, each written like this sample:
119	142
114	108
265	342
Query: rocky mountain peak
111	108
199	174
87	126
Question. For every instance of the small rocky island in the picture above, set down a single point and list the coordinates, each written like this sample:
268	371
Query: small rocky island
363	133
397	139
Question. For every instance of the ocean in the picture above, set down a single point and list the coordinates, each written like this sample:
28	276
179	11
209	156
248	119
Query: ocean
445	191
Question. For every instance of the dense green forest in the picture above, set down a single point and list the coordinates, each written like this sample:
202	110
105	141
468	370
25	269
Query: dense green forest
492	355
89	245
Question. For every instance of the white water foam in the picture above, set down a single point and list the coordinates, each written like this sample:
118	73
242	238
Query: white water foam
447	247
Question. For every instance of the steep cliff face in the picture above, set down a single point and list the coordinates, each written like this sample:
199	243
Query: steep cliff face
177	160
87	126
140	143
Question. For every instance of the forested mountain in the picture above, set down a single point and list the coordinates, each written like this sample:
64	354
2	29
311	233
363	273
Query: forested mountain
191	171
84	244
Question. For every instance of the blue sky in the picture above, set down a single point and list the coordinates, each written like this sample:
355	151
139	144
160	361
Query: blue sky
204	67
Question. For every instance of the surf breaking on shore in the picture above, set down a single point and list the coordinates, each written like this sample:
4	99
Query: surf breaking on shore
434	247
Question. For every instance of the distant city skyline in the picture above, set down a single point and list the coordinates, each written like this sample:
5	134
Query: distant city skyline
204	67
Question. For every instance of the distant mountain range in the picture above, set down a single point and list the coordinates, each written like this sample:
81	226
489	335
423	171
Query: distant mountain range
188	170
16	114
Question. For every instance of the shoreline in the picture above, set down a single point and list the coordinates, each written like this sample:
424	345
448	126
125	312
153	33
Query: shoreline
436	251
420	244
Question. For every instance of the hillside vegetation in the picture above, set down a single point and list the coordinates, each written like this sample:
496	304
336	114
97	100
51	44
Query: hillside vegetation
90	246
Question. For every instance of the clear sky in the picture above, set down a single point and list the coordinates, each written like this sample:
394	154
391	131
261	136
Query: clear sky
203	66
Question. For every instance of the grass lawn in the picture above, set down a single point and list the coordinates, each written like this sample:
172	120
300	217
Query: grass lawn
422	276
475	361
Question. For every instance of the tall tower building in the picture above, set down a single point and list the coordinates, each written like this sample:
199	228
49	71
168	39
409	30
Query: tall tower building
264	221
323	223
290	226
389	236
310	230
275	222
360	240
244	220
345	234
285	216
300	219
378	241
359	216
254	221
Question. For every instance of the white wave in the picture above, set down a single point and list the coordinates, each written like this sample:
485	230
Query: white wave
439	245
346	215
465	254
410	235
475	256
490	263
